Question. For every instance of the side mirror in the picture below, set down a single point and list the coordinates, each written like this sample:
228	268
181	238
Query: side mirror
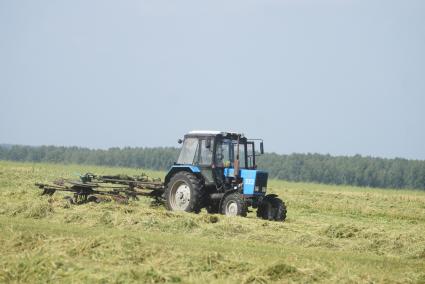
261	147
208	144
179	141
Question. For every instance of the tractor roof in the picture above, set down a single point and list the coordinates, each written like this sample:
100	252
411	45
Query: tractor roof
213	133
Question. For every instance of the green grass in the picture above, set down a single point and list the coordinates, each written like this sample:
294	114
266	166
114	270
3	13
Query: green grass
333	234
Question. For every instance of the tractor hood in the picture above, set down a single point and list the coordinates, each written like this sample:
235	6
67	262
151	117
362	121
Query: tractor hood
254	181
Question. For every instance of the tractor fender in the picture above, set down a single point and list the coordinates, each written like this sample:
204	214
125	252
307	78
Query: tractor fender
180	168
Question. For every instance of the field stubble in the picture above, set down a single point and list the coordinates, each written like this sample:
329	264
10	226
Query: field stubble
332	234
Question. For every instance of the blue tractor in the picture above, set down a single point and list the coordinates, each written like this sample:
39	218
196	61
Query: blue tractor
217	171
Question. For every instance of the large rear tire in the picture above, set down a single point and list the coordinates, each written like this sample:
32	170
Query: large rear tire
184	192
234	205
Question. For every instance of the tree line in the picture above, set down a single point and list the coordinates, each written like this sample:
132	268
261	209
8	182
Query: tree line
356	170
160	158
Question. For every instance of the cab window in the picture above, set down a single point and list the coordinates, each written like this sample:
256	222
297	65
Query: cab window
223	154
206	152
189	151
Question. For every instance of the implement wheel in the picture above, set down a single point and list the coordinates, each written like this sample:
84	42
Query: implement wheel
184	193
234	205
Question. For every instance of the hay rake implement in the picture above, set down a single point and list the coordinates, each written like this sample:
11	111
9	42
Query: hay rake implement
95	188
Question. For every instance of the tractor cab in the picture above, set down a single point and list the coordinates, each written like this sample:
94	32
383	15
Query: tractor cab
221	157
212	167
214	148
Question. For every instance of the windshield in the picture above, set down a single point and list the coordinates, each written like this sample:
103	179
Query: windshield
241	153
226	153
250	154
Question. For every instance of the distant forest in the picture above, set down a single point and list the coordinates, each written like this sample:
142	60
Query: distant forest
355	170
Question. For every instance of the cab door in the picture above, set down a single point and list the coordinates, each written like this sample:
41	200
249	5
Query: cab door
223	158
205	160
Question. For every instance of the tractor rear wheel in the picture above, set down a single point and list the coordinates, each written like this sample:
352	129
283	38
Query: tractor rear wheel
272	208
184	193
234	205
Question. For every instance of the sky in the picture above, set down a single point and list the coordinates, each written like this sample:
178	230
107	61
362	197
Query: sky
339	77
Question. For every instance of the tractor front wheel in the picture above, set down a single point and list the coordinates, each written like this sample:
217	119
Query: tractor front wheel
272	208
234	205
279	209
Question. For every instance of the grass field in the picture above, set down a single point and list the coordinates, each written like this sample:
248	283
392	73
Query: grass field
333	234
